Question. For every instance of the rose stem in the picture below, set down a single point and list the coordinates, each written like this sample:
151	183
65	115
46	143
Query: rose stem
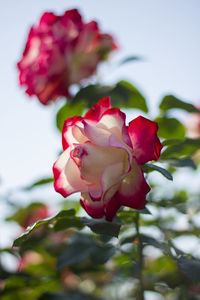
140	255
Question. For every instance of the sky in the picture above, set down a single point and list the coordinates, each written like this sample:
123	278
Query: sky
164	33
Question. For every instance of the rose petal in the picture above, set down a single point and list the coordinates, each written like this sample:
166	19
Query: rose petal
97	110
98	136
111	208
133	189
95	161
72	132
67	175
94	208
143	134
114	121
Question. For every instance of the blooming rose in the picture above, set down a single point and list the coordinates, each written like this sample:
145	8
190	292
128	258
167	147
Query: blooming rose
60	51
102	159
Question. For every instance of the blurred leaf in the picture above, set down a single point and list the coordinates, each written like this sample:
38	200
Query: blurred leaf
102	254
150	167
126	95
131	58
170	128
169	142
62	214
69	222
128	240
102	226
22	285
91	94
132	213
171	102
181	149
67	111
77	252
39	182
82	248
147	240
162	265
190	268
123	95
187	162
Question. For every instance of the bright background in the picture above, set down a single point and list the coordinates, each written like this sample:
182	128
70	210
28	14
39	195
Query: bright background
165	33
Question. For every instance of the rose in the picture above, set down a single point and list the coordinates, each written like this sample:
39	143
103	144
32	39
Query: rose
60	51
102	159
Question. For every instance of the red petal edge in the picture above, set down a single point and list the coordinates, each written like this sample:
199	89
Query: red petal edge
98	109
145	142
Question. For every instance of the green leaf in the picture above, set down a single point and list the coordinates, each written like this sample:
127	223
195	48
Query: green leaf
126	95
65	223
128	240
123	95
170	128
62	214
102	253
187	162
132	212
67	111
83	248
147	240
131	58
190	268
170	142
42	181
91	94
171	102
150	167
77	252
102	226
181	149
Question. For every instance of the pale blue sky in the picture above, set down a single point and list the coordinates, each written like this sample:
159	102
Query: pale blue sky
166	33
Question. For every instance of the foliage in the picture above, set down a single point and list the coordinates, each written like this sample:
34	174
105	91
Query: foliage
70	256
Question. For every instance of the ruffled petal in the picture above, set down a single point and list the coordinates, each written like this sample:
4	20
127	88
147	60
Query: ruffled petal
145	142
72	132
111	208
100	135
95	209
114	121
97	136
94	162
67	175
133	189
97	110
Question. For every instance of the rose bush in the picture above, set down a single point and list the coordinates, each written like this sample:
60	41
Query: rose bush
102	159
60	51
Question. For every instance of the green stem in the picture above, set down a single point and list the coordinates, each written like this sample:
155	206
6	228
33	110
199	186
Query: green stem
141	262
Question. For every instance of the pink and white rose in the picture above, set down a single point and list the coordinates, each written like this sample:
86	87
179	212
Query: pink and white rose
61	51
102	159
